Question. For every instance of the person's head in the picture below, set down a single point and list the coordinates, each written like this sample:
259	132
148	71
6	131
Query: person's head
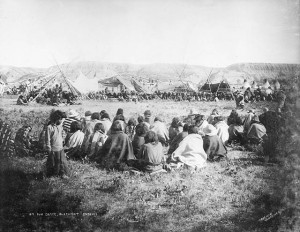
141	129
140	119
99	127
219	118
56	117
175	122
102	112
119	111
116	126
105	115
157	118
255	119
73	114
151	137
147	114
95	116
210	130
120	117
192	129
88	113
215	112
131	122
186	127
75	126
265	110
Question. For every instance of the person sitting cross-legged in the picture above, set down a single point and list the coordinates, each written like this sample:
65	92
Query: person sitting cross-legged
150	158
212	144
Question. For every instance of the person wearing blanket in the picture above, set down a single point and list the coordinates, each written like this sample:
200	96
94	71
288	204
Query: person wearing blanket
74	140
212	144
190	151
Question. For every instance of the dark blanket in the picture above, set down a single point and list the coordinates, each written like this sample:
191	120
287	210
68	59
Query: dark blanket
175	142
214	147
116	151
137	143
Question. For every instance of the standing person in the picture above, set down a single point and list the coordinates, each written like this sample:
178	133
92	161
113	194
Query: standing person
56	164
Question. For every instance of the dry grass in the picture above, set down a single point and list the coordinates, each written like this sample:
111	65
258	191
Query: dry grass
226	196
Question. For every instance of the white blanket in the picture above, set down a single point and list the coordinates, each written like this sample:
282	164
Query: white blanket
191	152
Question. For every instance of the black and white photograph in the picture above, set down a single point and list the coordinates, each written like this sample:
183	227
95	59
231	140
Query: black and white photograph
150	115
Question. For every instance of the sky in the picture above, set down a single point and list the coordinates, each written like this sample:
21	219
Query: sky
39	33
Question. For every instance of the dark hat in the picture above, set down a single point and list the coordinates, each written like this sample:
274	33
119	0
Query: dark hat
119	111
88	113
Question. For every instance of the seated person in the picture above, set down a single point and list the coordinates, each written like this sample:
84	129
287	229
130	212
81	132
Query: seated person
74	140
236	128
130	128
201	123
117	151
211	117
150	157
212	145
161	130
21	100
176	141
139	137
23	146
190	151
175	128
97	140
256	132
222	129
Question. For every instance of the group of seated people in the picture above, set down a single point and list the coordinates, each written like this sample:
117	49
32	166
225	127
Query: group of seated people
144	145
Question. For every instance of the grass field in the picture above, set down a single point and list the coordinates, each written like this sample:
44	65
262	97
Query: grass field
243	194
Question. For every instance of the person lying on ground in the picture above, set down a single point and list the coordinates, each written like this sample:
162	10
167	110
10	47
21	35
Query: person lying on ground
117	151
212	144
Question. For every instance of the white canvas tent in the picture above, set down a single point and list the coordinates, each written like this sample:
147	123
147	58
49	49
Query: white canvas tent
84	84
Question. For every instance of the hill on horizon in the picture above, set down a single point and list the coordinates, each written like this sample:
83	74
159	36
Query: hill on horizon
234	74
